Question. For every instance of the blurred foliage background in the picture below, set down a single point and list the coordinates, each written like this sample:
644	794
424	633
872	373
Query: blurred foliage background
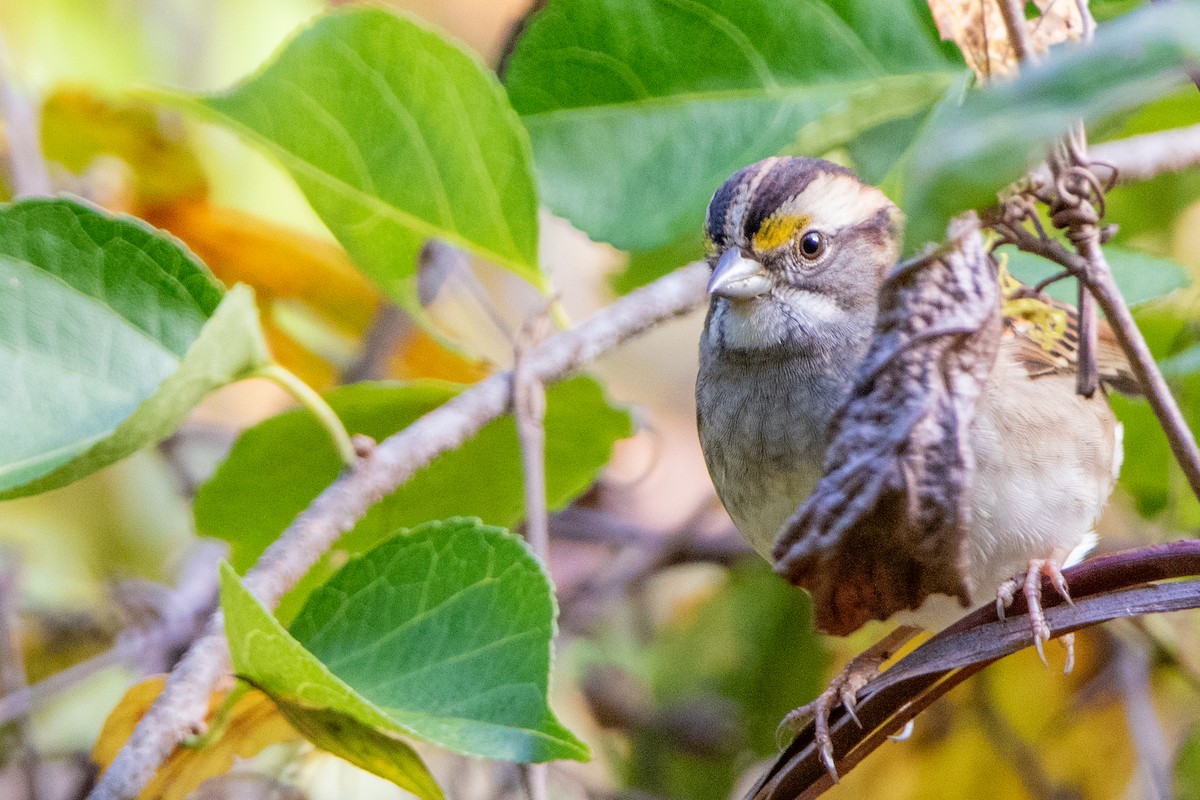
679	651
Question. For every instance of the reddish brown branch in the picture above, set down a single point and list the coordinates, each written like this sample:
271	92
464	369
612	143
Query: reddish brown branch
1124	584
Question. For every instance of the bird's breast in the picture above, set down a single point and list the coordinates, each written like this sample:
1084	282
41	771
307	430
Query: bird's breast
763	431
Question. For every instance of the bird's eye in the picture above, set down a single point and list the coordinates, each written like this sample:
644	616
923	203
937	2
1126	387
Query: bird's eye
812	244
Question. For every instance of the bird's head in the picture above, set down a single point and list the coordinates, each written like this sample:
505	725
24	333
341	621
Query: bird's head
798	247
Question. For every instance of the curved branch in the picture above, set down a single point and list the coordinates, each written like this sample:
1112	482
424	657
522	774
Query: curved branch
1134	582
181	708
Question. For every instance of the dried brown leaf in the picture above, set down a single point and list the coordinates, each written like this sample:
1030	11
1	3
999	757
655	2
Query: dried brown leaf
977	27
886	525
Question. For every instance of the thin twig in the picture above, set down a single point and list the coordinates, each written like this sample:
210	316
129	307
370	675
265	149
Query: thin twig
529	409
603	528
177	621
12	675
388	328
29	173
181	707
1074	152
519	26
1013	12
1133	667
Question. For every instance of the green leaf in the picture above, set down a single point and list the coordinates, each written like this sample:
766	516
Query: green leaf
395	136
647	266
320	705
968	152
1141	278
442	632
750	655
751	642
876	151
276	468
110	333
639	109
1187	768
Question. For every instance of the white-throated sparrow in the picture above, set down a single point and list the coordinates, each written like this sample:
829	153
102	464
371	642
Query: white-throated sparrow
800	248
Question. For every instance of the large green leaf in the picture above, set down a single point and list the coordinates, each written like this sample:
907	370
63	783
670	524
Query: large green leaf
639	109
971	150
318	703
1141	278
276	468
396	136
442	632
110	332
647	266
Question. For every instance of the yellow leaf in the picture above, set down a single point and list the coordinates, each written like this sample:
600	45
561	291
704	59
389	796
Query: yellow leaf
248	727
80	127
368	748
278	261
422	356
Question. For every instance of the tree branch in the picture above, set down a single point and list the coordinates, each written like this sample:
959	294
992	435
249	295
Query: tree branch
177	620
529	409
1013	12
1124	584
180	710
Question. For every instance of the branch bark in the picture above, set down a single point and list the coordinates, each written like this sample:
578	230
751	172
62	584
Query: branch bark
180	710
529	408
1013	12
1135	582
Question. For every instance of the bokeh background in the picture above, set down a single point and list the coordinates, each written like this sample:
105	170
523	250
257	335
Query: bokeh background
679	651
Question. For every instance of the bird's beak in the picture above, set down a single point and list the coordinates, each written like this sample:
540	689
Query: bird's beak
738	277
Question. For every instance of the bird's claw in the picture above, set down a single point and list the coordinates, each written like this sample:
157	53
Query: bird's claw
842	690
818	712
1031	584
850	703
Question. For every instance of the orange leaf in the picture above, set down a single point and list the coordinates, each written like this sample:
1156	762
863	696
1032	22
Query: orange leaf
250	725
278	261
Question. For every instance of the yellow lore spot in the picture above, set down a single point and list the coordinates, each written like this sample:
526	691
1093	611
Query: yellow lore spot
778	230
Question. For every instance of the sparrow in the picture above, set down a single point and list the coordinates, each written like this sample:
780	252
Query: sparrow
799	248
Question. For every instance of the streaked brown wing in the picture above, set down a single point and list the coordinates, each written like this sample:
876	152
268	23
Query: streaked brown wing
1042	355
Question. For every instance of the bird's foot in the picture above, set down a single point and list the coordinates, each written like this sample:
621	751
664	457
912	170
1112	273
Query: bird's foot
1031	584
842	690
